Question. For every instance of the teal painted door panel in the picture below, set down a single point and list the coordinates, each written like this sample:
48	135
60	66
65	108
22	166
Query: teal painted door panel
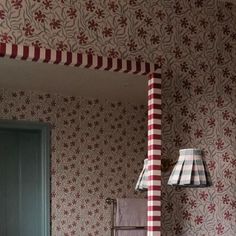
21	185
9	193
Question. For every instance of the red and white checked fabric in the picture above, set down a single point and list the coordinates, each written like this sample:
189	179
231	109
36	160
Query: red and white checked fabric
75	59
154	154
154	106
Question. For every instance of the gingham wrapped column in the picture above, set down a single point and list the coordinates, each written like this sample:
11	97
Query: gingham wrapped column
88	61
154	154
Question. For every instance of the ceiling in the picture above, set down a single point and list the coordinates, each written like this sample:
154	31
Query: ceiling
72	81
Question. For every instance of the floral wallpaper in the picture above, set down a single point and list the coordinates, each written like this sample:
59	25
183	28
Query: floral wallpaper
201	113
111	28
98	148
199	110
195	42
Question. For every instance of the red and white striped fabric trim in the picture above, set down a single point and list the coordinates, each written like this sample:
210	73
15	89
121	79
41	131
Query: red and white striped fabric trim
154	107
75	59
154	154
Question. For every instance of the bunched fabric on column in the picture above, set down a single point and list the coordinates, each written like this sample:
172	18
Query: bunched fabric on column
154	154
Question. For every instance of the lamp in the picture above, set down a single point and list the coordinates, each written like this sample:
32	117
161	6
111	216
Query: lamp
190	170
142	183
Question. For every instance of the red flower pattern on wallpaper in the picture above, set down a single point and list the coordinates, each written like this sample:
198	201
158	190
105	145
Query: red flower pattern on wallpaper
2	14
97	152
195	42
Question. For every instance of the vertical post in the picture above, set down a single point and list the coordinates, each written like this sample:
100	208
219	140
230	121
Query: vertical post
154	154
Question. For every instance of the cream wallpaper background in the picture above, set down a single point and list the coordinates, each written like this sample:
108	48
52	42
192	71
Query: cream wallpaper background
195	42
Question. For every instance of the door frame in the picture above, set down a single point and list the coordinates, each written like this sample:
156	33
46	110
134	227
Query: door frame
116	65
44	130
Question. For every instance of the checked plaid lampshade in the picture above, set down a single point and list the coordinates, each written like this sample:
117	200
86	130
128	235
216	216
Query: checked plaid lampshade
190	170
142	183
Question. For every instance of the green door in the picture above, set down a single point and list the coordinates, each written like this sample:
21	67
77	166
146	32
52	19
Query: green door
22	195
